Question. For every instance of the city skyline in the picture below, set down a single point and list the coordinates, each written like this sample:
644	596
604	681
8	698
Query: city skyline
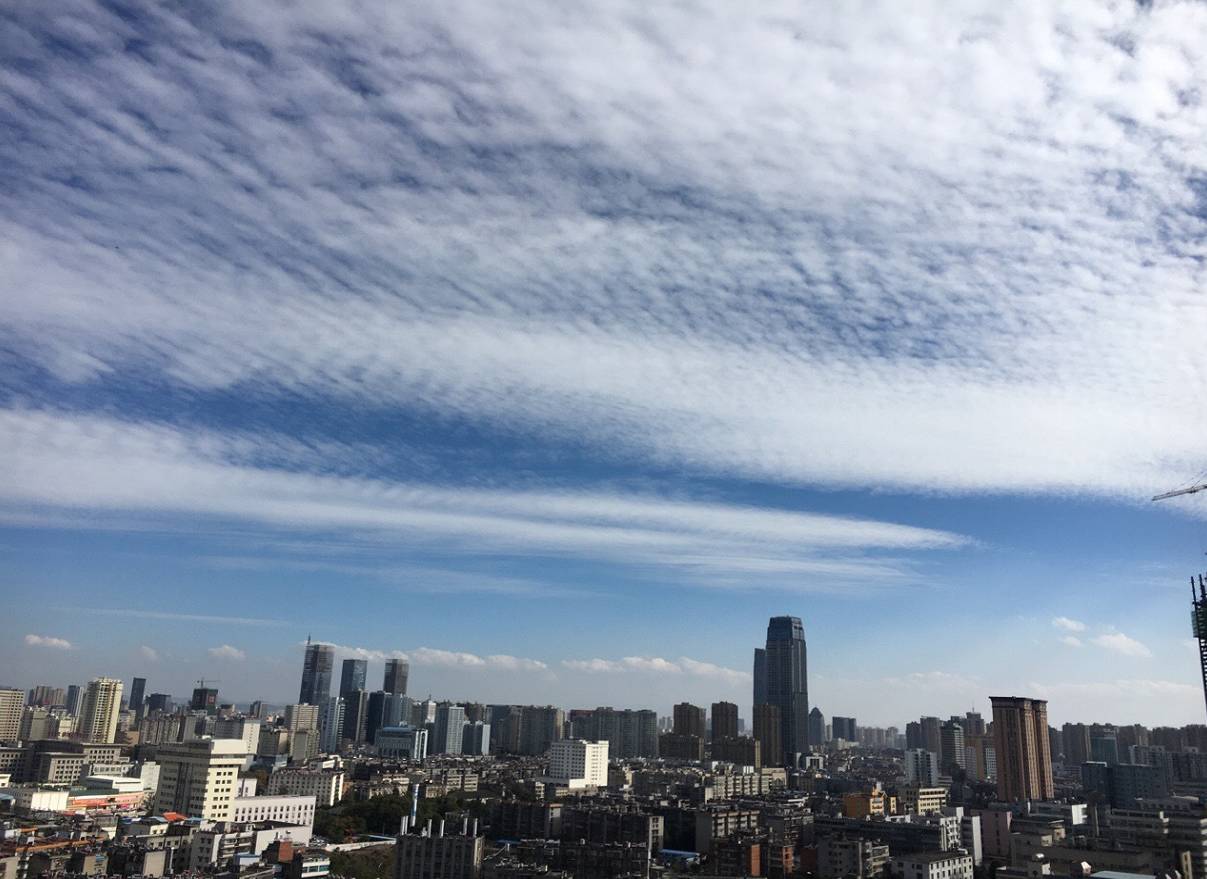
563	382
676	681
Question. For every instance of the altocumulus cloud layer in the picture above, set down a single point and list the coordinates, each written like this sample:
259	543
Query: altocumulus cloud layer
947	249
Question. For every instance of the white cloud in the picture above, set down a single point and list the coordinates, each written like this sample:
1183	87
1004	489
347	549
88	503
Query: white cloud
226	651
366	653
1071	641
657	665
1121	643
456	659
1068	625
150	654
48	641
54	459
1015	196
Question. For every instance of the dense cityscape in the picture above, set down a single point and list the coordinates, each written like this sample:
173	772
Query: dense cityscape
603	440
105	779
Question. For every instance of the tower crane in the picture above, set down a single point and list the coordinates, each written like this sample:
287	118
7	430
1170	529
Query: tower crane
1202	486
1198	600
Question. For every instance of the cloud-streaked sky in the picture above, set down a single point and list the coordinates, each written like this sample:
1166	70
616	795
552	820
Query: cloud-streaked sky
557	347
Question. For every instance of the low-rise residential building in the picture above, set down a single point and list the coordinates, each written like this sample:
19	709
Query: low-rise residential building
840	857
325	785
932	865
294	810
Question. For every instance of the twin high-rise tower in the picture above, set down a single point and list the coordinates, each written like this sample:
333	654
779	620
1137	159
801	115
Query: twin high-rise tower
318	666
781	692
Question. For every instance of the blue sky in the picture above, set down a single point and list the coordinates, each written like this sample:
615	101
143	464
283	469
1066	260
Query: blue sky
557	348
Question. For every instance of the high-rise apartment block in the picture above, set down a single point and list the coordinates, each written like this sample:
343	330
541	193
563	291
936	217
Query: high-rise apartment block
46	696
317	665
844	728
724	720
781	679
628	733
12	704
450	725
331	725
301	716
475	738
689	720
356	710
921	767
100	709
953	756
768	730
931	729
1024	763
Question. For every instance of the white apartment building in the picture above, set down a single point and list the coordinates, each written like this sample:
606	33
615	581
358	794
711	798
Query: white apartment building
576	763
298	811
99	710
199	778
325	785
932	865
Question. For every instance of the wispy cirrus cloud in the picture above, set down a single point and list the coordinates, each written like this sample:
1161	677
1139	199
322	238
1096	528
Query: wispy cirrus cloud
150	654
48	641
55	461
496	231
168	615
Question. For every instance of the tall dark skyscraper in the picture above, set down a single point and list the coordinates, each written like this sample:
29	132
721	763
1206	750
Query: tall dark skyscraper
781	679
73	700
817	726
138	689
353	676
317	666
395	680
